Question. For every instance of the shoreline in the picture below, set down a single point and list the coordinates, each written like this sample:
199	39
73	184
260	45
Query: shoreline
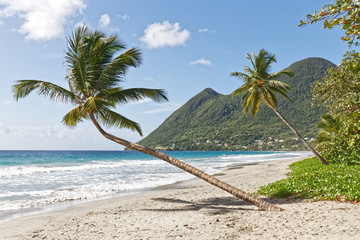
63	206
194	209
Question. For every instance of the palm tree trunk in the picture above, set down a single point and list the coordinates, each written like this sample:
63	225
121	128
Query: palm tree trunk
300	137
190	169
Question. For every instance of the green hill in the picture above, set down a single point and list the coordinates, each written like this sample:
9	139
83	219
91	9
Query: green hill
212	121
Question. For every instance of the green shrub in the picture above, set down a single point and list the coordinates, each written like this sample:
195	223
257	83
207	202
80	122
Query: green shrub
312	180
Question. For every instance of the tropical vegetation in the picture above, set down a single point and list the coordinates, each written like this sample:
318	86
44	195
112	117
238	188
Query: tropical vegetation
339	138
343	13
261	86
309	179
329	129
339	89
93	77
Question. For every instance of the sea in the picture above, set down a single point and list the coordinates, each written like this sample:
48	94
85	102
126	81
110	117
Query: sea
38	181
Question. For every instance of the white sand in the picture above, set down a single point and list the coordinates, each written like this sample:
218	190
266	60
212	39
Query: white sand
195	210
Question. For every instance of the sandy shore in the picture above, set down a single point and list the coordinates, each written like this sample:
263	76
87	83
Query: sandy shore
195	210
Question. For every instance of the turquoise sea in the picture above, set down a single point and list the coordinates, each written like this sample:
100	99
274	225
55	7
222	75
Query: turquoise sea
36	179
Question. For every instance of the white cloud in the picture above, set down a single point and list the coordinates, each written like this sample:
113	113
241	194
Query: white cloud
81	24
43	19
124	17
203	30
202	61
104	20
164	34
6	102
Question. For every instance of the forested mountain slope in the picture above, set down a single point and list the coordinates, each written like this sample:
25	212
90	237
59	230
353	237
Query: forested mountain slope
212	121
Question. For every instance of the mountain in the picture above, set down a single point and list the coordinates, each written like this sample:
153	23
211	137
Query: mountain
213	121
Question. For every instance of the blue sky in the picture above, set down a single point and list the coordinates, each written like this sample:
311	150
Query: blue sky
187	46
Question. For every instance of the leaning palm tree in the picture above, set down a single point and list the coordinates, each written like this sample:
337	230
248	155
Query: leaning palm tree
93	77
260	86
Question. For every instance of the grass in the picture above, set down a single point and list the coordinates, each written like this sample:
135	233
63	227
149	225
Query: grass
312	180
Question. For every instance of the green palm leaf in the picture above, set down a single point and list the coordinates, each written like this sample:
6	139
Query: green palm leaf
113	119
24	87
117	68
288	73
120	96
72	118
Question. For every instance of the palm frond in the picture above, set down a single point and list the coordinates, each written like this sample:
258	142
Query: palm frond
96	105
240	75
245	96
269	98
75	59
101	51
113	119
278	87
288	73
252	100
251	72
330	124
74	116
117	68
119	96
267	60
248	56
239	90
24	87
255	104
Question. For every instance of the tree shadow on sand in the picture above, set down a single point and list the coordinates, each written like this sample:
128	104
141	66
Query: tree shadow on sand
214	206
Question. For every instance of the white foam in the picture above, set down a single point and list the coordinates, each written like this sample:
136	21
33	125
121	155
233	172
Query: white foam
7	172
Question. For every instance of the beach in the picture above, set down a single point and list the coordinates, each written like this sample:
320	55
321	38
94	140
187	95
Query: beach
194	209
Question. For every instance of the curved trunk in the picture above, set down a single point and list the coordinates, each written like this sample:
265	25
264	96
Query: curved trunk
190	169
300	137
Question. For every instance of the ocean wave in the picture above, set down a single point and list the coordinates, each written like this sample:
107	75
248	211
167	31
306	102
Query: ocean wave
6	172
35	199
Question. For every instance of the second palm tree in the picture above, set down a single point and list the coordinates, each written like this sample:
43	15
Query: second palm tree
261	86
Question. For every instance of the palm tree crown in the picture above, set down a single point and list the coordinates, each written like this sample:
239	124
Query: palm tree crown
259	85
93	75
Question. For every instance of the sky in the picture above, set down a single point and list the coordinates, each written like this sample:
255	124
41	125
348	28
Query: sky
186	45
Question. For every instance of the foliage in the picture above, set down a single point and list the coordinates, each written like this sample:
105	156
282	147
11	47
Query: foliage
329	129
219	119
343	13
93	75
259	85
312	180
339	91
340	88
344	146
